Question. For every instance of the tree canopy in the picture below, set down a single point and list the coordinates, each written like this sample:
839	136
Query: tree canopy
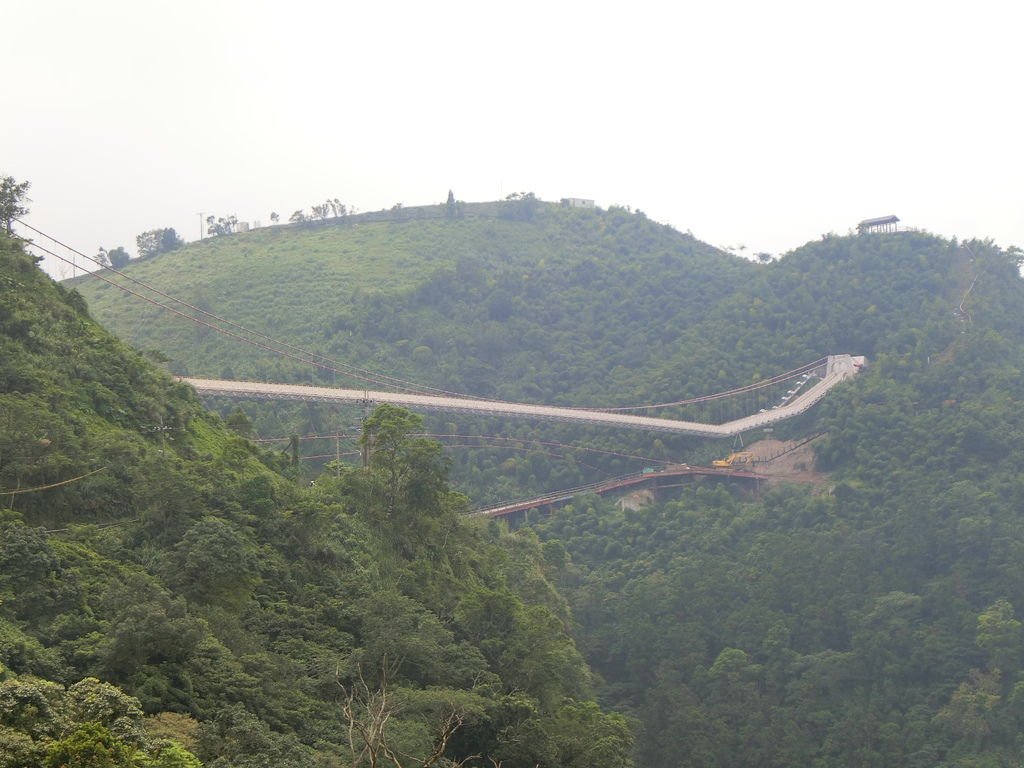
13	196
869	618
157	241
169	594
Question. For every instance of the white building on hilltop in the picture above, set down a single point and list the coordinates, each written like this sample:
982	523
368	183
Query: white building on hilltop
577	202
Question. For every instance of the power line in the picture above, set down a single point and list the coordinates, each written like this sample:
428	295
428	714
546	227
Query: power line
51	485
328	364
551	454
442	436
179	312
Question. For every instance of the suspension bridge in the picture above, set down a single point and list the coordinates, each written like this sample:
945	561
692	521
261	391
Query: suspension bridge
832	370
656	477
724	414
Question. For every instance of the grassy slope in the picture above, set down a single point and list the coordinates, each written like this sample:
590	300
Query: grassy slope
244	275
318	287
575	307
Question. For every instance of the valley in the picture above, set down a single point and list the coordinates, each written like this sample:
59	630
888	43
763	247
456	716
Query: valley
857	607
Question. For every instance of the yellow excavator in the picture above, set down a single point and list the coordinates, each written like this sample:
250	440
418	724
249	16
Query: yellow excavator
739	459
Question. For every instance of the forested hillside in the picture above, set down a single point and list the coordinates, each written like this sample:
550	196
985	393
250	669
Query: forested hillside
870	619
169	594
545	304
874	622
572	307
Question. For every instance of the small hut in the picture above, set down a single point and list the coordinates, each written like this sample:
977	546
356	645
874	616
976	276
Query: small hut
881	224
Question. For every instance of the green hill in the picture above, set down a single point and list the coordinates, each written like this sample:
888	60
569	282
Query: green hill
559	306
487	306
164	585
568	307
871	623
868	621
577	307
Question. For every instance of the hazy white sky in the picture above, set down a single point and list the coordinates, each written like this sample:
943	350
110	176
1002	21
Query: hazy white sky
755	123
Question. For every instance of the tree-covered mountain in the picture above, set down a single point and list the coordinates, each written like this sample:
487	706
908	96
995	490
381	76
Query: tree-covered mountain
868	620
169	594
565	306
874	623
555	306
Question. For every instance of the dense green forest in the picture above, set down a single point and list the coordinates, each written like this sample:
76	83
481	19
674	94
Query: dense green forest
565	306
546	304
872	623
169	594
868	620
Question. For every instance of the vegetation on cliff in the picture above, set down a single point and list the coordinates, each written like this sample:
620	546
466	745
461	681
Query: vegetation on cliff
874	623
245	618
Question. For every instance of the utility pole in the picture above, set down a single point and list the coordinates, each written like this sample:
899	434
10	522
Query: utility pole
293	449
365	442
200	225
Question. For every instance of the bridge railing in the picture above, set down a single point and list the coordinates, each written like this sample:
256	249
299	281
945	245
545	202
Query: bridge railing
603	486
839	367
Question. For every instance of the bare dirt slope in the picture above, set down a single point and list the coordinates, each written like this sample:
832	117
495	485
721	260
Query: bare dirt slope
781	462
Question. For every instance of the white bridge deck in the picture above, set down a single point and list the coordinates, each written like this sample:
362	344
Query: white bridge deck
839	367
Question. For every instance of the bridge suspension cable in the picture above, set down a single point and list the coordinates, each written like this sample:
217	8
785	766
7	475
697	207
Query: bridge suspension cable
789	375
